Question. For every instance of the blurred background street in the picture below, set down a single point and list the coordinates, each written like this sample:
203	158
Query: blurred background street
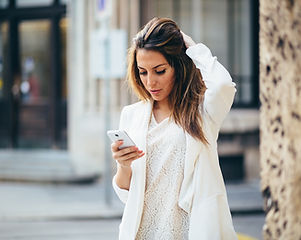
87	229
39	211
77	211
46	206
62	72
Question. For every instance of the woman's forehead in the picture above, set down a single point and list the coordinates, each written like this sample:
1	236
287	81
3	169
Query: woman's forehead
149	58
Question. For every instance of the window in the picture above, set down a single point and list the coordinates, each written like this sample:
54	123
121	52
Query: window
4	85
3	56
3	3
33	3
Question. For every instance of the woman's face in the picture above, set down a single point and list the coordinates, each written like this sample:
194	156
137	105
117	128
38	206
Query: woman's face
156	74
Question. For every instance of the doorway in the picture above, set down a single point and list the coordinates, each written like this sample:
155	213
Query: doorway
33	95
34	125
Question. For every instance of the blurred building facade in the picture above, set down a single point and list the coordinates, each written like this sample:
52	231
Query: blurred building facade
228	27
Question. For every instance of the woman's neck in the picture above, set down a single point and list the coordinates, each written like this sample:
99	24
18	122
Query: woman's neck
161	110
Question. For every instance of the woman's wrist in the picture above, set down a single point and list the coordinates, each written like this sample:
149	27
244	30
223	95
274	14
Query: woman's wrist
123	176
124	171
124	167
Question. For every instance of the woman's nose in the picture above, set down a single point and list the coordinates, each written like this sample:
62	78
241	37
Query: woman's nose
151	80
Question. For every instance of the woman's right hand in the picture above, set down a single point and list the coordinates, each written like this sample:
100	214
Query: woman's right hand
187	40
125	156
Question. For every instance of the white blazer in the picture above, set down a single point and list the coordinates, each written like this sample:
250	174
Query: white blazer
202	195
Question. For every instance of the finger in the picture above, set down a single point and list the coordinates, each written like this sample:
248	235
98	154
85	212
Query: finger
187	40
137	157
127	159
130	156
185	37
128	150
120	153
141	155
183	33
127	162
115	145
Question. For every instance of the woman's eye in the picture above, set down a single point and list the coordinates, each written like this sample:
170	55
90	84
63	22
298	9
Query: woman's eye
161	72
142	73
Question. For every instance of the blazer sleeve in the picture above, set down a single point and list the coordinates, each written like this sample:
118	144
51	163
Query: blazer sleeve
220	88
121	193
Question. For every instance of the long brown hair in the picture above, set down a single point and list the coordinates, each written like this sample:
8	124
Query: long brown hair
163	35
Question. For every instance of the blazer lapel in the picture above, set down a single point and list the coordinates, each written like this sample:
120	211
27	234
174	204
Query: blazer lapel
193	148
140	136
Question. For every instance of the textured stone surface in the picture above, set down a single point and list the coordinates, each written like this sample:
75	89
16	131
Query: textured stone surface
280	117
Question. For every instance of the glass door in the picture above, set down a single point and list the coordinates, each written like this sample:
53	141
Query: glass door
34	114
4	87
33	93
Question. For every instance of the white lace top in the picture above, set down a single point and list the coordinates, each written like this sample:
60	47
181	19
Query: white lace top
162	218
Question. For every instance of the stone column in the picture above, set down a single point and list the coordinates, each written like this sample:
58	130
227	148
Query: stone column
280	95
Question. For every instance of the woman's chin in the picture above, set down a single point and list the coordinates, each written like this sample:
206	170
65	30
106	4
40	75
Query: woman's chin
157	99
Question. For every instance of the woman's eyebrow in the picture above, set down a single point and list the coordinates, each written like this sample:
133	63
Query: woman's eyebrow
162	64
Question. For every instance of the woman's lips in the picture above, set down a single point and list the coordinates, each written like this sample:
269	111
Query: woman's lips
156	91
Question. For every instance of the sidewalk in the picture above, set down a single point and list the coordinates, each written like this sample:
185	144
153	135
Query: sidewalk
41	184
245	197
50	166
48	200
45	189
33	201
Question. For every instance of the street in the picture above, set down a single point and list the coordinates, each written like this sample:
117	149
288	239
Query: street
36	211
60	230
106	229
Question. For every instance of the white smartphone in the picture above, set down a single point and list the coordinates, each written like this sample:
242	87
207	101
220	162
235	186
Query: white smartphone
117	135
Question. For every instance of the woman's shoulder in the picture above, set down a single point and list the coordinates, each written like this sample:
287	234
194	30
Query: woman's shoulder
135	106
133	114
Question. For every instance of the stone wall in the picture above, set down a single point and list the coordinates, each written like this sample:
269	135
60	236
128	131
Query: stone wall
280	117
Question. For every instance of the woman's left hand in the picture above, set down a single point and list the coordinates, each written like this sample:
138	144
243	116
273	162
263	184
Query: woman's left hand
188	40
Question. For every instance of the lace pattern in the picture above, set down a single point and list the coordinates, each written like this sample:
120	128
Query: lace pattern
162	218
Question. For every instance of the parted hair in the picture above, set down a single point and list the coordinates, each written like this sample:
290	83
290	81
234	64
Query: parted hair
186	98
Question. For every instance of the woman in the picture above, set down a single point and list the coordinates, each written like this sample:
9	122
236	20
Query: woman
170	181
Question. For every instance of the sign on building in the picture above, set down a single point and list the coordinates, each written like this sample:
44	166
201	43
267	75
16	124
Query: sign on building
108	53
103	9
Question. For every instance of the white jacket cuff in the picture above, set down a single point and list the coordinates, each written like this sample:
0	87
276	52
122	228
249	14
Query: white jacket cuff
121	193
202	57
